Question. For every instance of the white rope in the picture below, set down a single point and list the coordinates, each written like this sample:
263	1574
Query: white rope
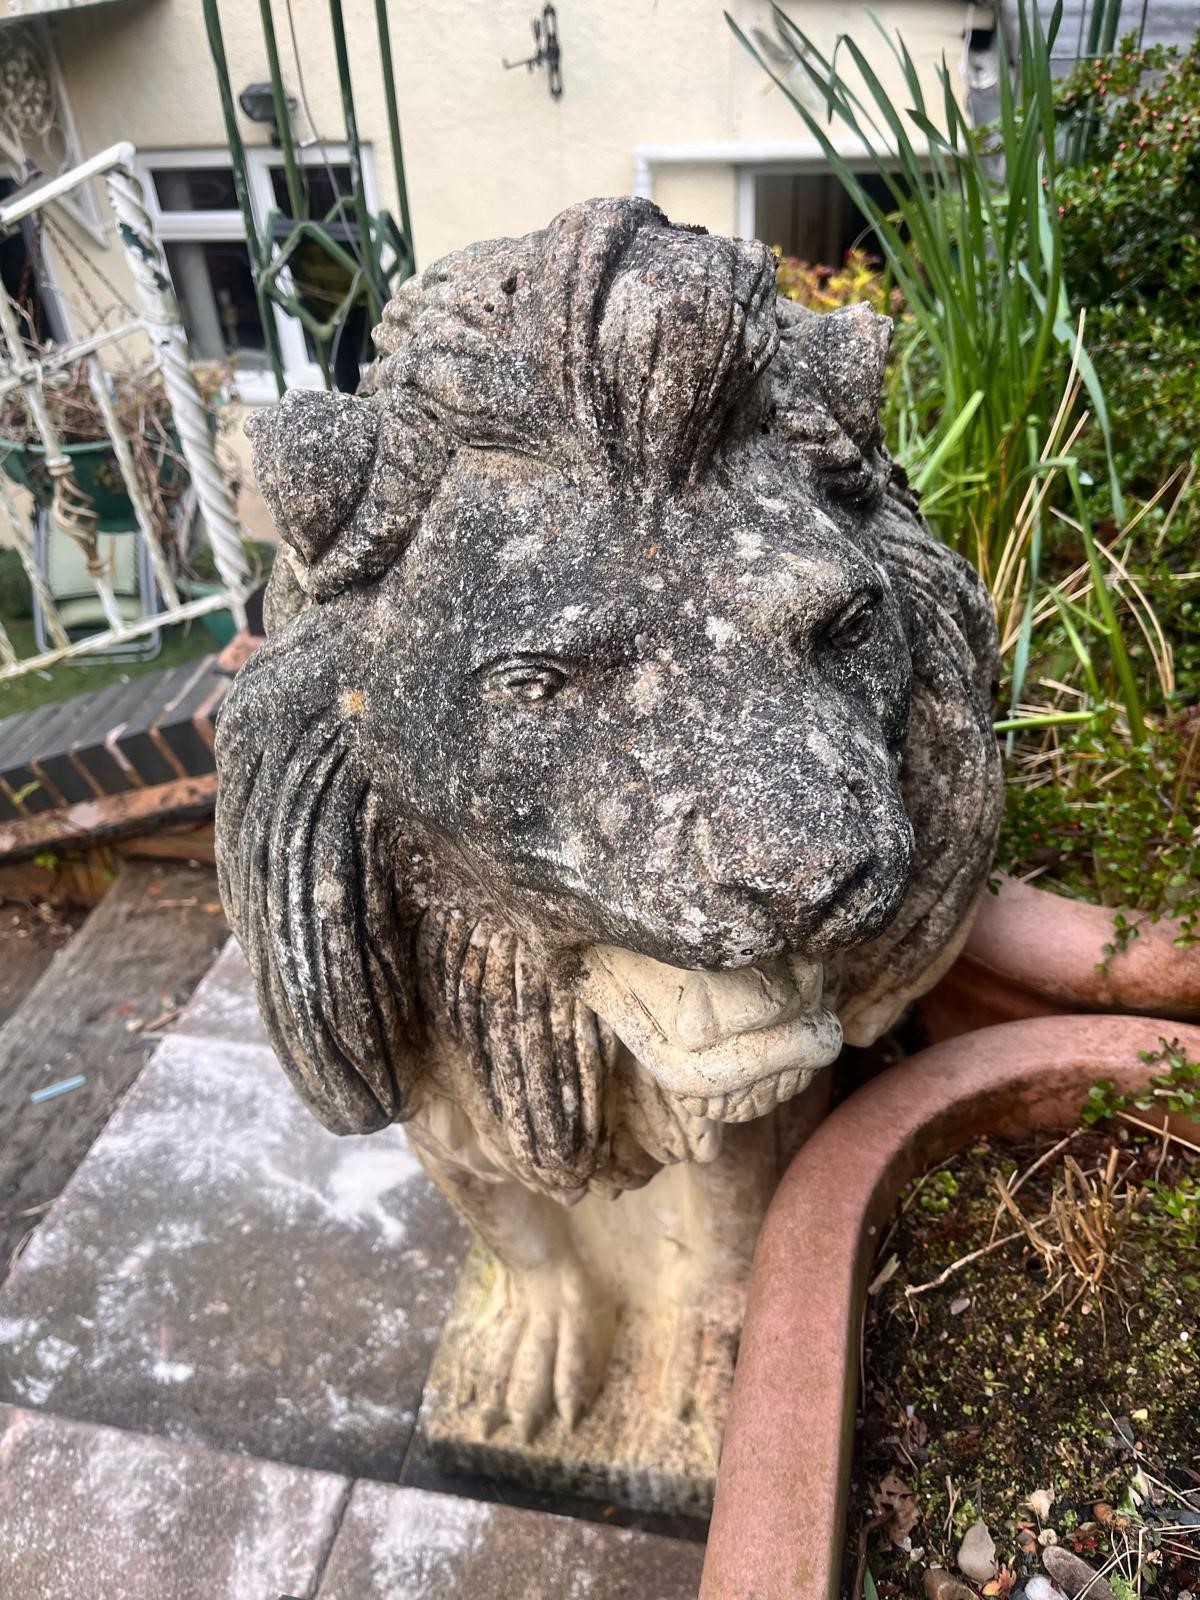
160	312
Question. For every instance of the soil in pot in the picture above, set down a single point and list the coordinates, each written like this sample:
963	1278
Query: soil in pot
1032	1364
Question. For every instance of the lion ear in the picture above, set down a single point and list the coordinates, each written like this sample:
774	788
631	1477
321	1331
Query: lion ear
313	455
347	481
849	360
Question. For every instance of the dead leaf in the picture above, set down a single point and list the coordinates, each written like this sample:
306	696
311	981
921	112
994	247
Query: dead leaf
1039	1502
1108	1518
896	1503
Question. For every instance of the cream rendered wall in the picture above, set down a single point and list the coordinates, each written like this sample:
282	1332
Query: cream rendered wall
487	152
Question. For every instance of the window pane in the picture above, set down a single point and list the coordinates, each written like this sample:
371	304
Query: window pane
324	185
811	216
216	296
195	188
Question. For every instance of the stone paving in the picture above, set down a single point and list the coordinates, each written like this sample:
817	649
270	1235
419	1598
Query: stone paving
224	1298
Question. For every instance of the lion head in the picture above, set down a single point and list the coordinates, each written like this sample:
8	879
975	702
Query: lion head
618	704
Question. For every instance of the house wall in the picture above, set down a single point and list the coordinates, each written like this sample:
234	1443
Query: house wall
487	152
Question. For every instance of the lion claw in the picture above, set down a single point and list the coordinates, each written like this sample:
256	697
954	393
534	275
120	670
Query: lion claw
542	1353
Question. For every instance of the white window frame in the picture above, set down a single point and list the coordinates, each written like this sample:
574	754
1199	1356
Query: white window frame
255	384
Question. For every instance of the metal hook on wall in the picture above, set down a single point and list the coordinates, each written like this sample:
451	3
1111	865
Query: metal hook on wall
549	51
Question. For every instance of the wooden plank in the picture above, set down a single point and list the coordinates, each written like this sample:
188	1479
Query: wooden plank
138	956
114	817
29	941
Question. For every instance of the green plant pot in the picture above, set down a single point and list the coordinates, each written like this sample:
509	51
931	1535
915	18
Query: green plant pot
97	473
218	624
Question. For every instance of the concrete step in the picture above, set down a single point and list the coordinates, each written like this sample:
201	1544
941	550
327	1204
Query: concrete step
224	1272
407	1544
93	1513
98	1514
150	730
224	1298
134	961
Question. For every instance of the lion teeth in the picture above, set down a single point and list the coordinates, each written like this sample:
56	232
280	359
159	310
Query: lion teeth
753	1101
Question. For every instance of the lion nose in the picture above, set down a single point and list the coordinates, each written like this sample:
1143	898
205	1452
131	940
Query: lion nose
802	884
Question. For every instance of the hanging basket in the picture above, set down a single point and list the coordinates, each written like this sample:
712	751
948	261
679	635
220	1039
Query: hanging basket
97	473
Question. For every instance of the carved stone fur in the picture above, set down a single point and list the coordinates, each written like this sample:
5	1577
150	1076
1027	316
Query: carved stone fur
621	729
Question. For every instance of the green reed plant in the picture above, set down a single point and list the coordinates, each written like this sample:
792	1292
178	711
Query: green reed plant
992	359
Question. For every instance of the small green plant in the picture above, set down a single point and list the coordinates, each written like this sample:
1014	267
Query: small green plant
1111	822
1174	1090
1180	1201
938	1193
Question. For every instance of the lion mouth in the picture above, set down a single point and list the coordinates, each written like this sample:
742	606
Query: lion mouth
729	1046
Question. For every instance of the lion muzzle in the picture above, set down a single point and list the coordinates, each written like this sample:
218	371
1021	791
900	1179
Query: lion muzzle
729	1045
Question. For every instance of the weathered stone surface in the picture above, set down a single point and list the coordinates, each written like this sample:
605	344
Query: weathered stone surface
408	1545
92	1513
977	1553
223	1271
623	738
629	1448
1074	1576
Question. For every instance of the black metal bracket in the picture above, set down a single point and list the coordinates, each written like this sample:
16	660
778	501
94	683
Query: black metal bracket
549	51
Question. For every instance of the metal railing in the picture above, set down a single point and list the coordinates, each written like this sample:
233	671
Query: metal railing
70	512
370	248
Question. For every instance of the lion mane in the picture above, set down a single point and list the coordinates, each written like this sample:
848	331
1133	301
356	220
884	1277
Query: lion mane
365	948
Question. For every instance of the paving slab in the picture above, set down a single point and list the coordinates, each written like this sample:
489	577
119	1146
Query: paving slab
407	1544
140	952
224	1272
224	1006
96	1514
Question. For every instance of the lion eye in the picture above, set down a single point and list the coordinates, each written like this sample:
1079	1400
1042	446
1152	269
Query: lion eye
527	680
854	624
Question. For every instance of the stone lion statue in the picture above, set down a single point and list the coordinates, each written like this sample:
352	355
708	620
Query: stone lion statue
622	742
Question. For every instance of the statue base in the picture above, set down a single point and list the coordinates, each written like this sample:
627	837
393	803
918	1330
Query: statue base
652	1438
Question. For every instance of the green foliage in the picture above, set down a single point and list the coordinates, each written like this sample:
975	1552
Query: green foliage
1116	826
1129	198
1174	1090
979	266
825	288
1180	1201
938	1192
1130	221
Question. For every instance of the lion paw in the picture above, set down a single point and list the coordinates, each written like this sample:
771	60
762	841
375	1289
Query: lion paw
543	1349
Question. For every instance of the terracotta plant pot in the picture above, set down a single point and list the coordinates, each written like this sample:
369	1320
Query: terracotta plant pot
782	1486
1033	953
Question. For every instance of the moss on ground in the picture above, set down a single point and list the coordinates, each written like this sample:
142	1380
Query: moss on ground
988	1388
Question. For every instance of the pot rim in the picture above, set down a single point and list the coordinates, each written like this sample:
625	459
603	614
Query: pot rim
1050	945
779	1513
